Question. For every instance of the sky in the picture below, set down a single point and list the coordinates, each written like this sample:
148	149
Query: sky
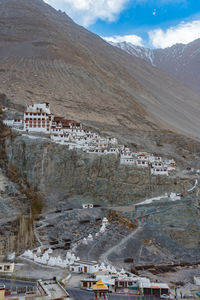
147	23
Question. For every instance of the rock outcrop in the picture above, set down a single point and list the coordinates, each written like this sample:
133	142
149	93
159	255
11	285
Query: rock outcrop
75	177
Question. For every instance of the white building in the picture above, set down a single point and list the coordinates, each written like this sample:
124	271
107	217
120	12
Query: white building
87	205
7	267
127	161
112	151
153	159
81	266
157	164
142	156
170	163
159	171
142	163
38	118
13	123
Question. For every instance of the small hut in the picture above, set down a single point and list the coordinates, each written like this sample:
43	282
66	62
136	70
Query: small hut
100	289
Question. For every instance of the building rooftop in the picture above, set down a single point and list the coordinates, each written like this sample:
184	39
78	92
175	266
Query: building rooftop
91	263
53	289
153	285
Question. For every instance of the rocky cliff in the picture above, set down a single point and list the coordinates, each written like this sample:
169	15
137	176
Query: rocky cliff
75	177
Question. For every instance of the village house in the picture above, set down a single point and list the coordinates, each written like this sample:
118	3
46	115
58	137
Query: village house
153	158
126	284
81	266
127	161
142	163
159	171
87	283
170	163
153	289
157	164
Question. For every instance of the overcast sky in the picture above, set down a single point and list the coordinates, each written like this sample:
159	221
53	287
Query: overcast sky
149	23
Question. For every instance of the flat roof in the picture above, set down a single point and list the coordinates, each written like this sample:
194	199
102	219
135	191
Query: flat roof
153	285
91	263
89	280
53	288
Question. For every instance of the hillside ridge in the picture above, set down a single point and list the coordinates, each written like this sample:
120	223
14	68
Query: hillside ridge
45	56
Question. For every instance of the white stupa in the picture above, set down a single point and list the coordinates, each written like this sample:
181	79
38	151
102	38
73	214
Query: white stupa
90	238
114	271
103	267
105	221
73	257
71	262
11	256
69	255
84	241
122	272
66	261
103	228
51	261
29	254
49	251
39	251
45	256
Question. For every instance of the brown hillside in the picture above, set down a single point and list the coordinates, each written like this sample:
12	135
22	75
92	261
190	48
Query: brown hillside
44	55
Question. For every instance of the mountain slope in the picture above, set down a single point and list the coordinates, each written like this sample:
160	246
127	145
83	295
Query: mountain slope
44	55
180	61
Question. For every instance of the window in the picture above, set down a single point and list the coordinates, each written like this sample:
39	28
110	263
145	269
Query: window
130	283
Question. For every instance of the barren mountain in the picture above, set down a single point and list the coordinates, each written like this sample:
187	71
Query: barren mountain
44	55
179	61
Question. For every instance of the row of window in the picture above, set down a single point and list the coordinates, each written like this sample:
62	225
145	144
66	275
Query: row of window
38	126
35	114
36	120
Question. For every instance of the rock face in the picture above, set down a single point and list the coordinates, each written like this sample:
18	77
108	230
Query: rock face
167	232
45	56
75	177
